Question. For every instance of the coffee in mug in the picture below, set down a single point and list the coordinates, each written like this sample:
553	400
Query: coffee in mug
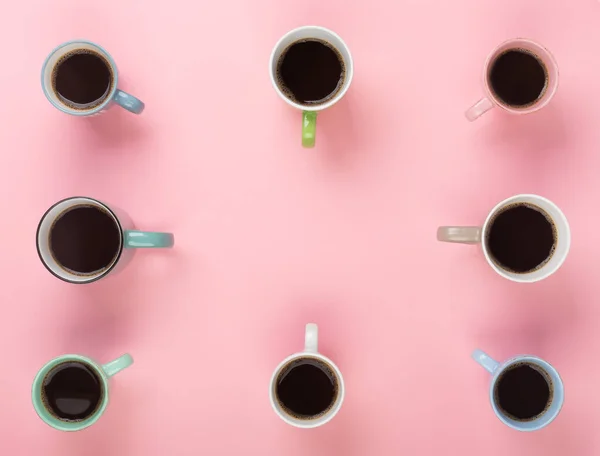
80	78
307	388
311	70
526	393
519	76
524	238
81	240
71	392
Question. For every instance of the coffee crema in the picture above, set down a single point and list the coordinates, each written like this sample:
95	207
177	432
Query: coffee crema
85	240
72	391
518	78
82	79
310	71
521	238
306	388
524	391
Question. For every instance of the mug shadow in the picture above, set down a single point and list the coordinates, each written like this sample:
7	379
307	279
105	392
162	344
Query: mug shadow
111	130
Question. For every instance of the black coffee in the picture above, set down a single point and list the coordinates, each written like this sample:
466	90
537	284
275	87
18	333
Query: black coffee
82	77
518	78
306	388
72	391
85	240
310	72
521	238
523	392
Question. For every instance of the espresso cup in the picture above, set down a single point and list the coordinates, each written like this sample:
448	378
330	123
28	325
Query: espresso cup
80	78
526	392
81	240
525	238
307	388
520	76
311	69
70	392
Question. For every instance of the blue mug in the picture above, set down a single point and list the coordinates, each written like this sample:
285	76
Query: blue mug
553	380
78	75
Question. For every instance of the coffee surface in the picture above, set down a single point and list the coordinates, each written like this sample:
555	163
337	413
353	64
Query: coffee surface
523	392
521	238
310	72
82	77
518	78
72	391
306	388
85	240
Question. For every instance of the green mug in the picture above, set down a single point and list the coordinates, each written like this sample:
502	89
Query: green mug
310	110
70	393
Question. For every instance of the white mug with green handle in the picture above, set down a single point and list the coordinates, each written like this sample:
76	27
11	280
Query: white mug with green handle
82	240
310	110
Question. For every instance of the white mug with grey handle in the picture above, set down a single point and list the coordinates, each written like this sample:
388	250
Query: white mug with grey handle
524	238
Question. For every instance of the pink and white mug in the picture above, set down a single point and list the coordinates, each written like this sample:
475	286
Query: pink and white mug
520	76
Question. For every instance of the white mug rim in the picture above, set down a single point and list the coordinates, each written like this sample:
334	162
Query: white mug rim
320	420
347	81
92	278
524	278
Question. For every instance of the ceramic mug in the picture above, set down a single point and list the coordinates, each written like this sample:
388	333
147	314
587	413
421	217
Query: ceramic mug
491	99
309	354
309	112
112	95
129	239
478	235
554	381
102	373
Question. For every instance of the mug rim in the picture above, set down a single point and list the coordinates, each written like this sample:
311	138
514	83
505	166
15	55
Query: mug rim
494	99
107	270
558	391
321	420
109	96
523	278
349	70
45	415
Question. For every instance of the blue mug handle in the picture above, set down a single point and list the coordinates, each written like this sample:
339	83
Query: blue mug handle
147	239
129	102
485	361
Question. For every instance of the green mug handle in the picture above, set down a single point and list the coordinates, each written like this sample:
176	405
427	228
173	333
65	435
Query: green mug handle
147	239
309	128
117	365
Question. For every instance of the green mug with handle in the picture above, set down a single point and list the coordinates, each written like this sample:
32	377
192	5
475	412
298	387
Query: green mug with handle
310	110
70	393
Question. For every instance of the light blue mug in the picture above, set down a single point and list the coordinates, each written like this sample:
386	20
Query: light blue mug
111	96
119	224
102	372
555	384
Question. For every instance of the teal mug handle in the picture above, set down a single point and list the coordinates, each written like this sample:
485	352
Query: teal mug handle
147	239
129	102
485	361
116	366
309	128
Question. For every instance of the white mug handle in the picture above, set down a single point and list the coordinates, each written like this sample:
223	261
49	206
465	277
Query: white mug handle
485	361
311	338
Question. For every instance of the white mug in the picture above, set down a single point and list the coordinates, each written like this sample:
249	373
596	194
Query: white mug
478	235
309	119
129	240
554	381
310	353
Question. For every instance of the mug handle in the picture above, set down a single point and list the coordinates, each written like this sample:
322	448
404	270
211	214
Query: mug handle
459	234
311	338
479	108
309	128
147	239
486	361
117	365
129	102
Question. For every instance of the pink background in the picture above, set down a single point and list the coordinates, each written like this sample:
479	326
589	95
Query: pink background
270	236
